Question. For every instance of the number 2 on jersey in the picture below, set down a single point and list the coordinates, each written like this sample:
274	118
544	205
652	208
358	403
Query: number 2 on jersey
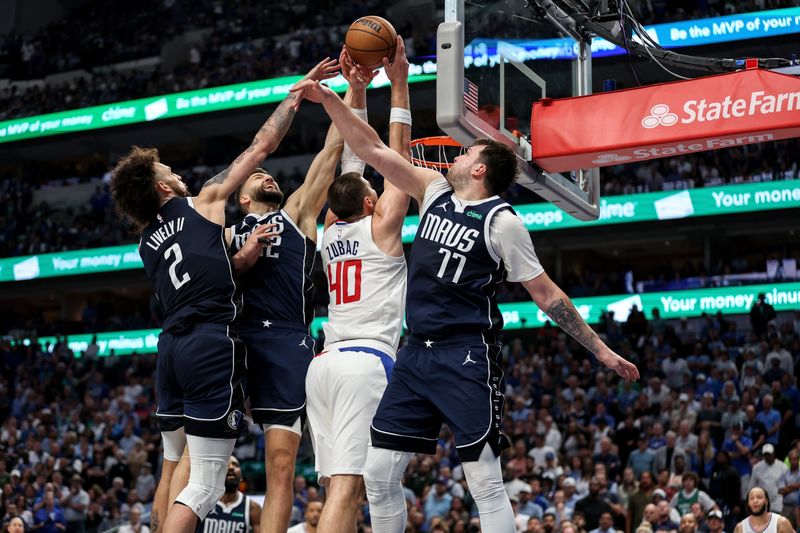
175	249
347	290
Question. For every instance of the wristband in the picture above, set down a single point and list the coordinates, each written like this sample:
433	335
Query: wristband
400	115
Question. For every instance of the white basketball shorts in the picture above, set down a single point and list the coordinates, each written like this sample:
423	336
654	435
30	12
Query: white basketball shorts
344	385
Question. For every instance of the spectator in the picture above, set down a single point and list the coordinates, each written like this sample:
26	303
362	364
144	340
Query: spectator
665	521
438	501
134	524
690	494
714	521
641	499
592	506
789	488
726	483
312	514
75	504
14	525
650	516
605	524
771	419
49	518
760	315
642	459
665	455
688	524
766	474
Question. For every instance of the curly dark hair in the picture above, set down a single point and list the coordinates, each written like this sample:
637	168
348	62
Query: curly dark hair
502	168
132	186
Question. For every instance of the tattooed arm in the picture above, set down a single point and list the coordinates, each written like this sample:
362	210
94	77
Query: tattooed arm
557	305
266	141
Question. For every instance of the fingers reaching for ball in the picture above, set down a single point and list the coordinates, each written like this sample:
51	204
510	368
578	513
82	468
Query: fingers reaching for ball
397	70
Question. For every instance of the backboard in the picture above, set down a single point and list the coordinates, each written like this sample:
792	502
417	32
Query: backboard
494	59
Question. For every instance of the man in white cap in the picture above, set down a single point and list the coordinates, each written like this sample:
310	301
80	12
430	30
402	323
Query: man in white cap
766	474
714	521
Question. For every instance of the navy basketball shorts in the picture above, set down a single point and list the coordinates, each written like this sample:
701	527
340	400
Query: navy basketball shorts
200	381
278	356
458	381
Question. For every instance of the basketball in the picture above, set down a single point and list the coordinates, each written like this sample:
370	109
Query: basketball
369	40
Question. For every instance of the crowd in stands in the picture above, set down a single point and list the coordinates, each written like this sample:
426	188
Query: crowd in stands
241	42
715	412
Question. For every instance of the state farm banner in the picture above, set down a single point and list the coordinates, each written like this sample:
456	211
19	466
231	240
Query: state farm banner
664	120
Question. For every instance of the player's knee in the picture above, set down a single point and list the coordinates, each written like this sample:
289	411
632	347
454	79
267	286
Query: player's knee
203	492
486	489
280	464
382	481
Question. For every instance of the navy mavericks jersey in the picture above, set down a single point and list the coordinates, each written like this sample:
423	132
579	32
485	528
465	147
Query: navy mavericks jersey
233	518
278	287
186	259
453	271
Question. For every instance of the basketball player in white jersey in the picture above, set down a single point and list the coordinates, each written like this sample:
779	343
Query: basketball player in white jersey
761	520
362	254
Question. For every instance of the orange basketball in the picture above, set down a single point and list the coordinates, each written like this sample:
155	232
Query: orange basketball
369	40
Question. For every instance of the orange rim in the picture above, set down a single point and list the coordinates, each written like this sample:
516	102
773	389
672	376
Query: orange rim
440	141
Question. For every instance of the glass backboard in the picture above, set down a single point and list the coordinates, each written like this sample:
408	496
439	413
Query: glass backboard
494	59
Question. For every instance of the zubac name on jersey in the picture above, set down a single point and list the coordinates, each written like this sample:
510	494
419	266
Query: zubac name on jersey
339	248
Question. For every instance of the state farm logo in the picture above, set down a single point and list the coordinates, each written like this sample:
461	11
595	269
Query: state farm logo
659	116
604	159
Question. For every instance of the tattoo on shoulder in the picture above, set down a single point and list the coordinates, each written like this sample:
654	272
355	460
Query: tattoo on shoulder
565	315
219	178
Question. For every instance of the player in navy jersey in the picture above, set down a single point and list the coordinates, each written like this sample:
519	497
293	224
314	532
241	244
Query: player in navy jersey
468	241
200	373
277	313
234	512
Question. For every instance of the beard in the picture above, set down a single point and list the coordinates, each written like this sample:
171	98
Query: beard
179	188
231	484
455	179
267	197
760	511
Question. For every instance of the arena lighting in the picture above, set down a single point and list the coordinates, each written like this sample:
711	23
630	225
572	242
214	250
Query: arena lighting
622	209
522	315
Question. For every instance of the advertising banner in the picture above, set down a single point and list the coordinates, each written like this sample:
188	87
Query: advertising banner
176	105
664	205
665	120
520	315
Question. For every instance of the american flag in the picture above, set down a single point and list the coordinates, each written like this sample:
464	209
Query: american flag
470	95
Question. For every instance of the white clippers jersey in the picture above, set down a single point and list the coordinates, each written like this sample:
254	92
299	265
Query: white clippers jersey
367	288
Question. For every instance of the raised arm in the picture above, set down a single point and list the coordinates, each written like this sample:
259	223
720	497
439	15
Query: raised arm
366	144
557	305
304	205
392	206
265	141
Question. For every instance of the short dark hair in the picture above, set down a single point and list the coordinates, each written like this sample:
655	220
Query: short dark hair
501	165
346	195
132	187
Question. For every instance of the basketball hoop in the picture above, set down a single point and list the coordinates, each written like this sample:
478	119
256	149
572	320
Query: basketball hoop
436	153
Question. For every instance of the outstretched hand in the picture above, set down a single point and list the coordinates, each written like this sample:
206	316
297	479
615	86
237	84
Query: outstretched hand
357	76
310	90
324	70
625	369
397	70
